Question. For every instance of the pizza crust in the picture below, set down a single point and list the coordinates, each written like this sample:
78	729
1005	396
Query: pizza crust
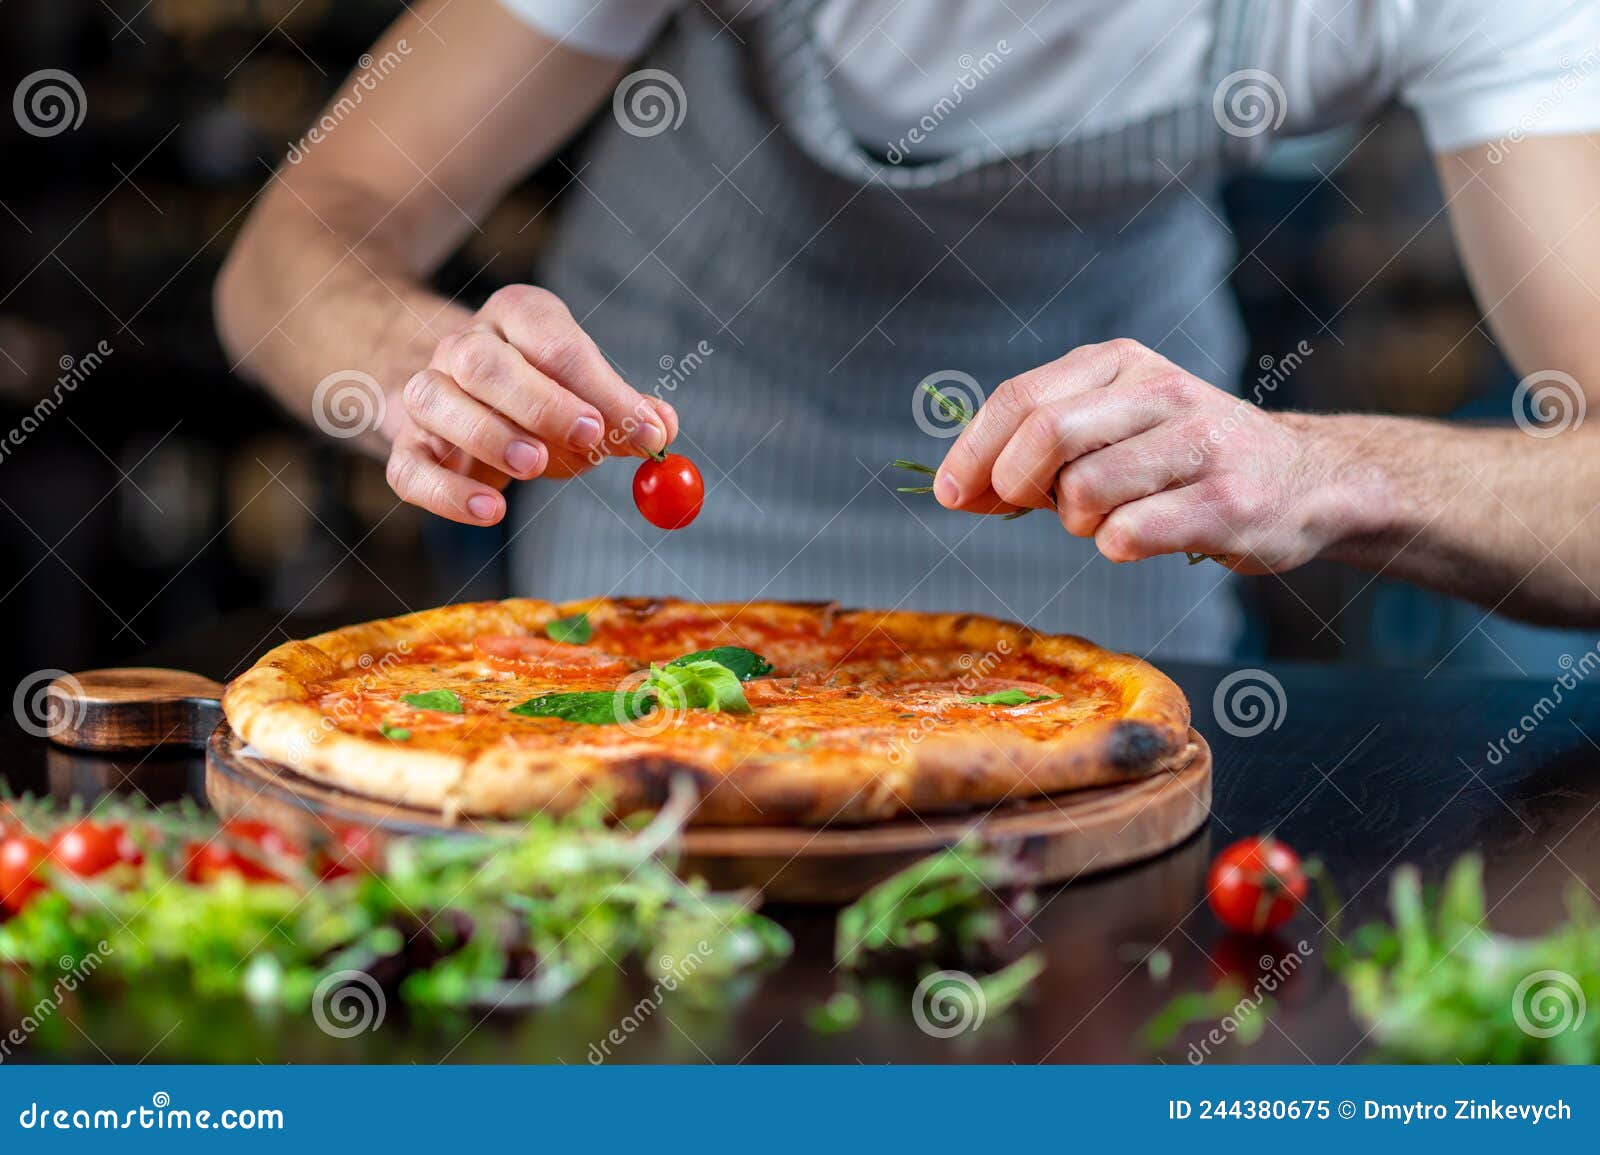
951	767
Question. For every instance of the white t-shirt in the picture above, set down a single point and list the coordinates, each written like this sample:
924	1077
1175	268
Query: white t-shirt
1474	70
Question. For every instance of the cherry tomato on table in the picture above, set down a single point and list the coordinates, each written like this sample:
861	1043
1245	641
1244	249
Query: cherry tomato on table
1255	884
85	848
21	856
208	861
668	492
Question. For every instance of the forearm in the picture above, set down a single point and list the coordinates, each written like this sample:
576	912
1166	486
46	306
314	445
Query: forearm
1495	515
307	292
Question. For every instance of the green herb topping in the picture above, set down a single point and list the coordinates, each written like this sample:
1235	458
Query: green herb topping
1011	698
745	664
440	701
593	707
575	630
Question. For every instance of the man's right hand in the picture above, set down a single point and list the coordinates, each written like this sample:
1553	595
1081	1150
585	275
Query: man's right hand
519	392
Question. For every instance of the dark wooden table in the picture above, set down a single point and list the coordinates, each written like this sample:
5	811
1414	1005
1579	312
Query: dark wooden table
1366	770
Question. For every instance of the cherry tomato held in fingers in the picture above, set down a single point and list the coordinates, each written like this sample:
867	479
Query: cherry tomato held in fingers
668	492
1255	884
86	848
21	857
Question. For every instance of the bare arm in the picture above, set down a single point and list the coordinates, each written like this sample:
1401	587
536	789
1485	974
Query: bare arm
329	273
1148	459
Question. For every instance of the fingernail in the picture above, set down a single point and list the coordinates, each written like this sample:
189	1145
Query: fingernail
522	457
650	436
585	433
946	490
482	506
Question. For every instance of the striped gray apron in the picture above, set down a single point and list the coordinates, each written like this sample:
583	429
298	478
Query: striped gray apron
786	289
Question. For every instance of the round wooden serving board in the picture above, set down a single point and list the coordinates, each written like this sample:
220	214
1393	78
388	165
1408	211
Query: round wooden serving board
1067	836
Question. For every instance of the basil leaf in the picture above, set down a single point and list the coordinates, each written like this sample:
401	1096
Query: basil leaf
591	707
1010	698
395	733
575	630
442	701
745	664
701	685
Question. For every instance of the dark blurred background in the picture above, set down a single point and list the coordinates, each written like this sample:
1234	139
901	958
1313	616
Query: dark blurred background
163	495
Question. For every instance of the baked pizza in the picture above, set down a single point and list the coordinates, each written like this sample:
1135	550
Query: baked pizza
779	713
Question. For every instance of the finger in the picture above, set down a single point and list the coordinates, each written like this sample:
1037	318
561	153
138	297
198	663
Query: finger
415	475
965	472
492	371
1090	487
539	326
436	403
1177	520
1059	432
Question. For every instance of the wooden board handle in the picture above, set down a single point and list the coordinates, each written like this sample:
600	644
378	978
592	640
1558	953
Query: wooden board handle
133	708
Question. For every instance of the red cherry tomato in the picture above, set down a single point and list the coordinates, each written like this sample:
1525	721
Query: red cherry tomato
86	848
208	861
352	849
21	856
668	492
1255	885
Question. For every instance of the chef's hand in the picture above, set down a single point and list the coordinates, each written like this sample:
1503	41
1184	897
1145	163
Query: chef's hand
1131	450
519	392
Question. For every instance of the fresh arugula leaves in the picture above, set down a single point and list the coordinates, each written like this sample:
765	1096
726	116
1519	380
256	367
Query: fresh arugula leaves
591	707
1011	698
745	664
701	685
395	733
441	701
575	630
